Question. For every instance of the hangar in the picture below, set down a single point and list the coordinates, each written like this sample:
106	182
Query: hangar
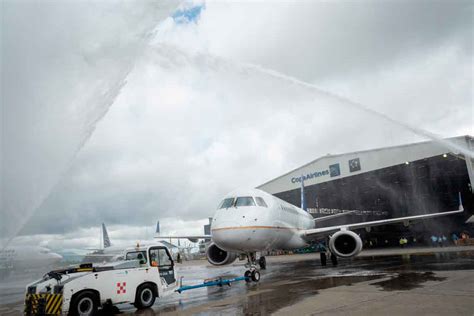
397	181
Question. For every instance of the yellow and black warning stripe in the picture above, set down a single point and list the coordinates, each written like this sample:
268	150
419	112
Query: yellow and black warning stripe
43	304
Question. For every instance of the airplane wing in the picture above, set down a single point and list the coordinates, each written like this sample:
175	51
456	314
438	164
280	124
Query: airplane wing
325	218
190	238
324	231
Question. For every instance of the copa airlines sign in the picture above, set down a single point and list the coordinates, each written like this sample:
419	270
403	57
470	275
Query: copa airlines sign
334	170
316	174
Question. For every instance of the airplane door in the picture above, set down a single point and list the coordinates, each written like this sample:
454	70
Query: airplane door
161	258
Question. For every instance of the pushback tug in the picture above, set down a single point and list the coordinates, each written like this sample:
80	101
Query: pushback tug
146	273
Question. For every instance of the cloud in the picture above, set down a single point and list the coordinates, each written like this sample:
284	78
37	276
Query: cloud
63	64
319	40
188	127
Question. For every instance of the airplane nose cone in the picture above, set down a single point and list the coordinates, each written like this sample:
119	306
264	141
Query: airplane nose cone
239	239
226	235
229	240
240	230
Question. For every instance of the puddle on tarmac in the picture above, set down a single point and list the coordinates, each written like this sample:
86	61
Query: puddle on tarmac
268	299
407	281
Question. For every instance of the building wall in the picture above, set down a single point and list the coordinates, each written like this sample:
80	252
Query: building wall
333	167
425	185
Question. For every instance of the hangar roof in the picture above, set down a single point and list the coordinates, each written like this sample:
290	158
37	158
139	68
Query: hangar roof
332	167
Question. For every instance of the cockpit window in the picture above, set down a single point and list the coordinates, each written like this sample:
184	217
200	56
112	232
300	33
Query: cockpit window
227	203
260	201
245	201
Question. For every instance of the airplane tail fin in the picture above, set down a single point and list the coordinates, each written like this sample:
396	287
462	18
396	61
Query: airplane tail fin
158	227
105	235
303	200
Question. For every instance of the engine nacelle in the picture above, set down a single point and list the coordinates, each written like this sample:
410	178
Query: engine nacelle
218	257
345	244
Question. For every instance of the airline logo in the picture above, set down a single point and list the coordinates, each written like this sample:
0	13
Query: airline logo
354	165
316	174
335	170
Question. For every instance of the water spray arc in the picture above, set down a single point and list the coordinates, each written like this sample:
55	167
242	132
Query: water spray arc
179	56
418	131
103	96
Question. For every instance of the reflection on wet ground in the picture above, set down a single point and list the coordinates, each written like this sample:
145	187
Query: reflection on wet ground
407	281
286	283
270	298
287	280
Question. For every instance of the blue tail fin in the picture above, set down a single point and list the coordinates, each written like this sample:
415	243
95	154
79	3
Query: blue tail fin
303	200
105	235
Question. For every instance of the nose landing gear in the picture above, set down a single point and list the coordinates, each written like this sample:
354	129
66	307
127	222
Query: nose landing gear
252	274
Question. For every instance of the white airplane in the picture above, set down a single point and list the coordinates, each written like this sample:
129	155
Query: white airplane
248	221
107	253
27	257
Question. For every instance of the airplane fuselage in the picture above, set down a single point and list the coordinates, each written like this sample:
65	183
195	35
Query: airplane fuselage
256	227
26	257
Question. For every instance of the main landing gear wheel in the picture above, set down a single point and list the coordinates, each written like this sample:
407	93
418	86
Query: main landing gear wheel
334	259
255	275
262	262
322	256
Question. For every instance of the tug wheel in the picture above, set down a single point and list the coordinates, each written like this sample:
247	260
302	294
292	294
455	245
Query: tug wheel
248	276
255	275
145	296
85	303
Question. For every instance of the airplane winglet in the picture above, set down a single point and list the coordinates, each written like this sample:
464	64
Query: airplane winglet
461	207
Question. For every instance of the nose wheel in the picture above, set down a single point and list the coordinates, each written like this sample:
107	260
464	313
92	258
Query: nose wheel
252	276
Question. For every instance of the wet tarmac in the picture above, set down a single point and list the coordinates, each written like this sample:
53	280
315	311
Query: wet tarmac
290	280
285	283
408	281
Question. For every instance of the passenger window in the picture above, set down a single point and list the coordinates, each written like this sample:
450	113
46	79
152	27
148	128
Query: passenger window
227	203
245	201
260	201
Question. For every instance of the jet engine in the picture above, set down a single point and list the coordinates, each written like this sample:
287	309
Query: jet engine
218	257
345	244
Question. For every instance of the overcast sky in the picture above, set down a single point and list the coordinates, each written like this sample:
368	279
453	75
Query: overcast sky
181	119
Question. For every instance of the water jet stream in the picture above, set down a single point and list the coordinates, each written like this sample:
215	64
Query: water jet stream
101	96
164	50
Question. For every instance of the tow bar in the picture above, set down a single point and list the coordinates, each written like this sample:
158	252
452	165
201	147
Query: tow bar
214	282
